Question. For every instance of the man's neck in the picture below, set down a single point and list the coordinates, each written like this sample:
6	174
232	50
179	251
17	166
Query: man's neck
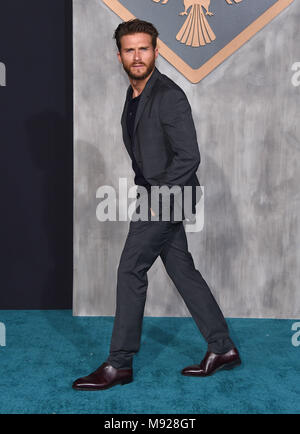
139	85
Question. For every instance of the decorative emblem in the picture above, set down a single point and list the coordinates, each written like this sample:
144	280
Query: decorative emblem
198	35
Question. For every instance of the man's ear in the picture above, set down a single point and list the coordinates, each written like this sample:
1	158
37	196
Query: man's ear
119	57
156	52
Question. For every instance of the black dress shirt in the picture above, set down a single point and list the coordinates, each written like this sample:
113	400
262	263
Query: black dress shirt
131	113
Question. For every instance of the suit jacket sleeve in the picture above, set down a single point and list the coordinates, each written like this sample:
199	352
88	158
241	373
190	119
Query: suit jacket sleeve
179	128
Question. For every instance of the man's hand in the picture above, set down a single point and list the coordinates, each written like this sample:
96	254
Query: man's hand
152	212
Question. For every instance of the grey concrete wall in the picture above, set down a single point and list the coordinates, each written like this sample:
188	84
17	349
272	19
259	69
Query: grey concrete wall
246	115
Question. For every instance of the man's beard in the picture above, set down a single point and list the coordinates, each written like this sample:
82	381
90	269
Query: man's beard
148	71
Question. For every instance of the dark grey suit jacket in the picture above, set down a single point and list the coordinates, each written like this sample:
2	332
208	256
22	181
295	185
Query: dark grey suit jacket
164	138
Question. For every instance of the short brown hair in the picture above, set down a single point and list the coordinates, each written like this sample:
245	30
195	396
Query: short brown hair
135	26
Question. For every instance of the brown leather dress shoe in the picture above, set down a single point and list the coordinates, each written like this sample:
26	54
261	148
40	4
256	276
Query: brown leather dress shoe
104	377
212	363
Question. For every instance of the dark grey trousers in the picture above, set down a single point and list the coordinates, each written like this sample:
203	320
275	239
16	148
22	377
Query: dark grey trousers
146	240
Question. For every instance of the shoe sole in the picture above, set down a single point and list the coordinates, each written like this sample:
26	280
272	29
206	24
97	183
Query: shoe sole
226	366
121	382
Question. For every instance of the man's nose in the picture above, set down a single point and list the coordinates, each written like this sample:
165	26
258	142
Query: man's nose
137	55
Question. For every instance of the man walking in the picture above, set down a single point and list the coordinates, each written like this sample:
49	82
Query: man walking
160	137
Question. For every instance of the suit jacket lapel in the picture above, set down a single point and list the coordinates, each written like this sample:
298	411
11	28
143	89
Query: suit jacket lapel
144	97
124	122
142	103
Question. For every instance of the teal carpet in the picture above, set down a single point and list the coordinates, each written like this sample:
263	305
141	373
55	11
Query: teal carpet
46	350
